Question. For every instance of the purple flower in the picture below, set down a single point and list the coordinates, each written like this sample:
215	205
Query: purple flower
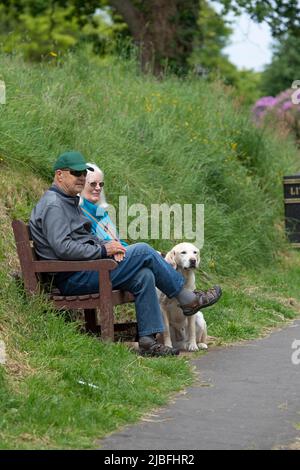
266	102
284	95
287	105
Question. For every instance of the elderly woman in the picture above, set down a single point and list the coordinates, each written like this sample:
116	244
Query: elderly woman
93	205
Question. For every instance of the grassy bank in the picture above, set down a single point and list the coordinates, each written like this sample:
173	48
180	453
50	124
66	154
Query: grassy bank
171	141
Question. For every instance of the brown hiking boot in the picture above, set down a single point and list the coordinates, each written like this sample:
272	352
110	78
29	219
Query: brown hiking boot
148	346
204	299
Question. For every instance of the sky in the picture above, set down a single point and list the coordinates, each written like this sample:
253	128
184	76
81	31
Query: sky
250	44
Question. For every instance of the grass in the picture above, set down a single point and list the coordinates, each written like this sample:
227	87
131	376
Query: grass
44	405
168	141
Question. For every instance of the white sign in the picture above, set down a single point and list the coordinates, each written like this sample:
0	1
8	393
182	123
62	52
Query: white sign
296	94
2	353
296	354
2	92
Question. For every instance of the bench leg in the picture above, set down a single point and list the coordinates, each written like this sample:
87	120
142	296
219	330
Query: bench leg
90	321
106	321
105	314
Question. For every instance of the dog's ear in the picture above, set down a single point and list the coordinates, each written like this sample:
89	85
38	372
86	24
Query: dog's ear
170	258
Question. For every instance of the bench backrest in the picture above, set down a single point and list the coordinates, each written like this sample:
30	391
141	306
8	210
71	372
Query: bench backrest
26	255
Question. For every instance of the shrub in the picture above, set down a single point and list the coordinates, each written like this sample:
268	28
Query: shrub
281	111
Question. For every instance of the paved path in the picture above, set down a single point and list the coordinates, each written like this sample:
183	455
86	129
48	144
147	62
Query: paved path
247	397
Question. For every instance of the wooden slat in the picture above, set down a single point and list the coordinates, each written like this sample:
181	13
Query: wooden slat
76	304
52	266
118	296
122	297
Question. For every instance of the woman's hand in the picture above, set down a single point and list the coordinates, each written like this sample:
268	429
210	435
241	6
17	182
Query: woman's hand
115	249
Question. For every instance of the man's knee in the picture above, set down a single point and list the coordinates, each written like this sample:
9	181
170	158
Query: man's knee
141	247
144	278
142	281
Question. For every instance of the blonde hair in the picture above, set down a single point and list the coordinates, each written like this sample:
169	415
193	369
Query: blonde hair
102	201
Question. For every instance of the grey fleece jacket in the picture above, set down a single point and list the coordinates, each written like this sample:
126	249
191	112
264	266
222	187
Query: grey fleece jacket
61	231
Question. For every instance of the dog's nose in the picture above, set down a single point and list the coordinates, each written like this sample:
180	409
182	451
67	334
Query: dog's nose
192	263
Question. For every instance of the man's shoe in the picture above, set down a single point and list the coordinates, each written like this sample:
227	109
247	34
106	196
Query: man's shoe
204	299
148	346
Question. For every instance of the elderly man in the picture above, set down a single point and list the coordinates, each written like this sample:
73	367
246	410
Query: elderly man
61	231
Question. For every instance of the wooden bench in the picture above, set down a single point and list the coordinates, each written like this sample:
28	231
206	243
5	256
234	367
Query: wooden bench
98	308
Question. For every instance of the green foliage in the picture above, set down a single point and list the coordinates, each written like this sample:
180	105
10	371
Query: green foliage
44	34
42	30
284	68
281	15
247	86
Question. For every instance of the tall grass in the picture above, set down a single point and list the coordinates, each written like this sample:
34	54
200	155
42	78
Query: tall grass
168	141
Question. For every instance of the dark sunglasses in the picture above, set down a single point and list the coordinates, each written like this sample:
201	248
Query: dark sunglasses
93	184
76	173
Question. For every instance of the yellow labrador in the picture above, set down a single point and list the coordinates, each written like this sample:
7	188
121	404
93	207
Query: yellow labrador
187	333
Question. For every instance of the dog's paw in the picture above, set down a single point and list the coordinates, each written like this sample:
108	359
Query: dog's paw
192	346
168	342
202	346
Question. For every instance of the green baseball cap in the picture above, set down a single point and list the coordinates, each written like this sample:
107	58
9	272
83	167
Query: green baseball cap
72	160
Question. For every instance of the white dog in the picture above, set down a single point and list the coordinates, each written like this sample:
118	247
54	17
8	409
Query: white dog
188	333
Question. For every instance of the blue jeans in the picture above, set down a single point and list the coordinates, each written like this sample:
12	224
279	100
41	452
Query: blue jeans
140	271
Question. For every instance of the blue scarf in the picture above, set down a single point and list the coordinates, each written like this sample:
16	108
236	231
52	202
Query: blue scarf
102	225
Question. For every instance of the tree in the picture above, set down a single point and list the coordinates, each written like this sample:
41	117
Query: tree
164	30
281	15
284	68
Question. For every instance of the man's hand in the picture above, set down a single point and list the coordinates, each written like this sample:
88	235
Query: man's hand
119	257
115	249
